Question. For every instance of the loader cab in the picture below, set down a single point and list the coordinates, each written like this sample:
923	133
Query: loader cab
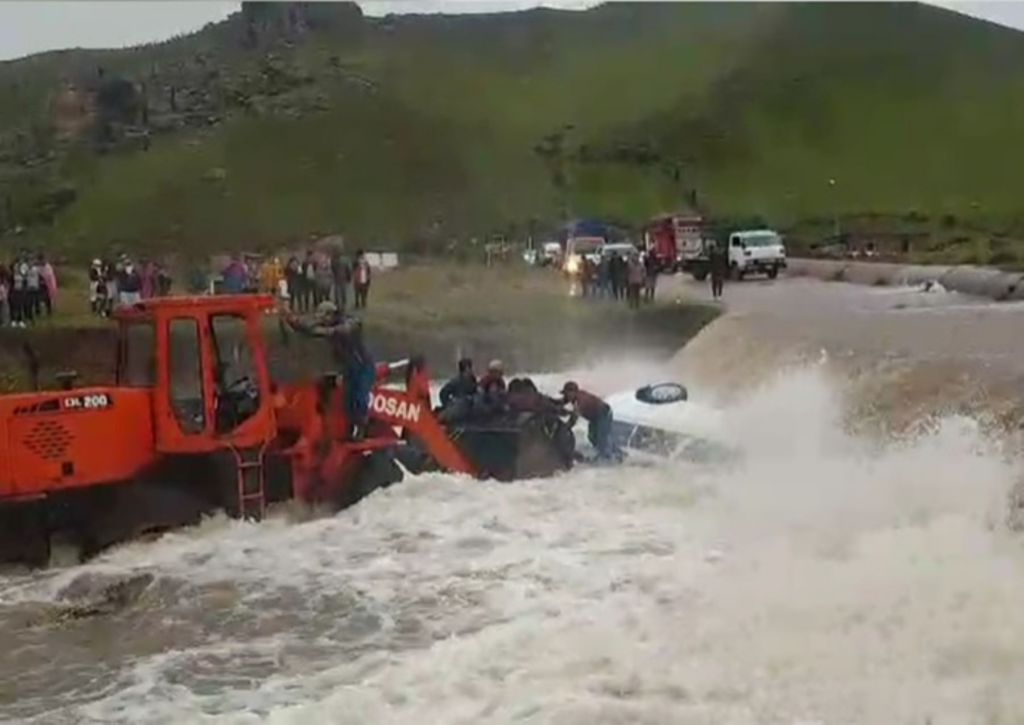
205	361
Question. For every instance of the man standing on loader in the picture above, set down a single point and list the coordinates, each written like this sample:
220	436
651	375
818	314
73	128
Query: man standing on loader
344	333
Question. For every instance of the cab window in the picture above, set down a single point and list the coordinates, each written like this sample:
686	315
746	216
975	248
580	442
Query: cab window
235	376
186	375
137	365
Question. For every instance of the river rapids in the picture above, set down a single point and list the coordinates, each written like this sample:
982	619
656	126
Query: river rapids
829	575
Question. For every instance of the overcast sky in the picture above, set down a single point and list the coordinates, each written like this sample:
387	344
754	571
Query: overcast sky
31	26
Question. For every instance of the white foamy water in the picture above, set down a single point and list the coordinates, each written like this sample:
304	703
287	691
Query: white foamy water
820	581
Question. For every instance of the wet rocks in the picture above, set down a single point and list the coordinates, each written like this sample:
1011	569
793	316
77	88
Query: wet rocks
91	595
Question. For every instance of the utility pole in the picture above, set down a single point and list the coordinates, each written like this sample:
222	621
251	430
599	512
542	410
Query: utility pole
835	208
563	170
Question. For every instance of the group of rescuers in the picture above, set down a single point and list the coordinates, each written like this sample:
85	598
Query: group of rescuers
464	398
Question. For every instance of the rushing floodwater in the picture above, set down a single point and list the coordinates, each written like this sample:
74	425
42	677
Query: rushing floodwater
823	579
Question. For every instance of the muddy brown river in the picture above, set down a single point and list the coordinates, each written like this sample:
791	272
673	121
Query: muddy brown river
854	565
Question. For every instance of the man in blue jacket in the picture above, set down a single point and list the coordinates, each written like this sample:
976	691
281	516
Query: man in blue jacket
344	333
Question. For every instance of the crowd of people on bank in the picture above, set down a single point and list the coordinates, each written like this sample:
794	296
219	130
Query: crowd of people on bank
28	282
303	283
121	281
632	277
28	289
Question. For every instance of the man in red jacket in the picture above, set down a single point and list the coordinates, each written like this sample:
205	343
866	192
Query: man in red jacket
598	415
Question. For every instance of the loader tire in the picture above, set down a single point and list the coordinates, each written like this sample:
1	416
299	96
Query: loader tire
378	470
139	510
24	536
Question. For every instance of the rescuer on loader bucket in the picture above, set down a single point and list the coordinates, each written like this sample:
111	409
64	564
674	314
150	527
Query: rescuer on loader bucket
344	333
458	393
598	415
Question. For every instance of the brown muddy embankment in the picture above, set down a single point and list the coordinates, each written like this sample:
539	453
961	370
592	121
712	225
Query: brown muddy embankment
566	336
900	357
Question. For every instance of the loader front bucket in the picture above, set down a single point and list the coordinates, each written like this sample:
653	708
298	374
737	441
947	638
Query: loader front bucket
531	447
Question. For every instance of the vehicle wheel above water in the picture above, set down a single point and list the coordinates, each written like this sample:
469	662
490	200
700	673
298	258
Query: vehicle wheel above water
661	393
773	273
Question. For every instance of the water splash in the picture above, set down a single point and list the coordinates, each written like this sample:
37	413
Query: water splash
824	579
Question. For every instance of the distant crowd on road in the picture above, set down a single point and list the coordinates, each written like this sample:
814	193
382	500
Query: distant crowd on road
123	282
632	277
302	284
28	289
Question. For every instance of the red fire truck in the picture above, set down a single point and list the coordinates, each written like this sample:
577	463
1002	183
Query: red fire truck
675	239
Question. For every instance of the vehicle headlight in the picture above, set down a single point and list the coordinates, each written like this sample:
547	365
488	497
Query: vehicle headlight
572	266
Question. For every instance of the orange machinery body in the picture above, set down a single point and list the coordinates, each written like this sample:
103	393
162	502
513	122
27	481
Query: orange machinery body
58	440
309	416
176	403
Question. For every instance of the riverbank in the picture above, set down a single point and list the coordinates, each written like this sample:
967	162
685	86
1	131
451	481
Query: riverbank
521	315
995	284
899	358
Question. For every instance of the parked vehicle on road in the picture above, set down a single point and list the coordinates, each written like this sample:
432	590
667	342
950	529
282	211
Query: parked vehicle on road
623	249
576	248
675	240
550	254
756	251
547	254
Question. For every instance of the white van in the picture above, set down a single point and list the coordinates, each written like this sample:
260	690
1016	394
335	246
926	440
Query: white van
579	247
756	251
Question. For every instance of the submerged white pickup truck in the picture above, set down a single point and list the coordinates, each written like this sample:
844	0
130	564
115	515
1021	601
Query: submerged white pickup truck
659	422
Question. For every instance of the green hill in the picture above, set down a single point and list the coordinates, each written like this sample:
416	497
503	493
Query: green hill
289	121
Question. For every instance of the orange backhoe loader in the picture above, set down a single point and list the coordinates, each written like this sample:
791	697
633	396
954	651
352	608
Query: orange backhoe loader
195	423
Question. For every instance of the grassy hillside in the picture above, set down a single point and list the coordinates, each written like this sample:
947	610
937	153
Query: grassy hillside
415	130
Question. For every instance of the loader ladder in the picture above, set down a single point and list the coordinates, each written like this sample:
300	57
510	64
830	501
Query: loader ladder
252	501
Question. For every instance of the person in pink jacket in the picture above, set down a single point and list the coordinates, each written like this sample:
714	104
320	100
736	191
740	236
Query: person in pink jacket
49	289
148	279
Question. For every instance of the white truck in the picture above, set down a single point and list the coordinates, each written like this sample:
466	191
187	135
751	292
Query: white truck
576	248
758	251
754	251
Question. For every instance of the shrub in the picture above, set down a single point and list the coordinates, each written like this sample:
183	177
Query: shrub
1002	258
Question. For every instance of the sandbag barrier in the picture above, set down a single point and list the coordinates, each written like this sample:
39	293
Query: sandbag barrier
977	281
